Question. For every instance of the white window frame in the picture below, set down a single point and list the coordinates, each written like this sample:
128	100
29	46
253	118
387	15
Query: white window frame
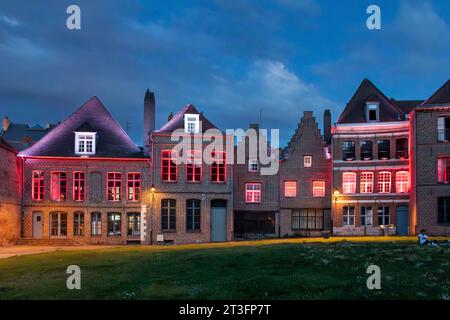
290	188
402	182
368	216
307	161
191	119
83	137
348	216
384	185
373	106
366	182
253	165
318	188
253	192
349	182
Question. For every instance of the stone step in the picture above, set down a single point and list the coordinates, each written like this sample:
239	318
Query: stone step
47	242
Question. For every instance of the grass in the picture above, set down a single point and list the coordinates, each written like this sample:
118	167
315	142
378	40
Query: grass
259	270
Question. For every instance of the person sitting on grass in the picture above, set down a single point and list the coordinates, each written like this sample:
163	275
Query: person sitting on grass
423	239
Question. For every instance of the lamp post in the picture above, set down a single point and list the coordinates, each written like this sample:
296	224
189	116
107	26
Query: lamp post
152	190
336	194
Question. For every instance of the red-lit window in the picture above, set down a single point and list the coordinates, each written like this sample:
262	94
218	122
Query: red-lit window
319	188
366	182
38	185
253	192
444	170
134	186
384	182
402	181
114	185
218	171
78	186
349	182
58	186
168	166
290	189
194	166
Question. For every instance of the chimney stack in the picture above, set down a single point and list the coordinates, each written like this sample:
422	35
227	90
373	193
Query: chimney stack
5	124
170	116
149	119
326	125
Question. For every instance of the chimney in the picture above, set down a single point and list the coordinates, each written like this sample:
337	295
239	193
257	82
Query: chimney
326	125
6	123
170	116
149	119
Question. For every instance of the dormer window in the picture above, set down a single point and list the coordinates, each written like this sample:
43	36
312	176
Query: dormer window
191	123
372	112
85	143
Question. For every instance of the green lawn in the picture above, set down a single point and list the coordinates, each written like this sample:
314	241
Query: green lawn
280	271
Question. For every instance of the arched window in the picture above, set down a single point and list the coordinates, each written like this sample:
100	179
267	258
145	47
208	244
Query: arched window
402	181
349	182
366	182
384	182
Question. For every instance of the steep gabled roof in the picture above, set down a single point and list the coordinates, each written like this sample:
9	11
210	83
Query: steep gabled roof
177	121
354	112
406	106
441	96
112	141
5	145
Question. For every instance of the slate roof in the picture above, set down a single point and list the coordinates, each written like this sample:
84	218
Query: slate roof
441	96
5	145
406	106
20	136
112	141
177	121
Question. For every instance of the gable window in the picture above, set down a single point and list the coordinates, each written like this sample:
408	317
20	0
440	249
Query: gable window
58	186
348	216
193	215
169	170
37	192
78	186
366	182
290	189
168	214
134	186
348	182
192	123
348	150
114	185
218	171
402	181
253	192
443	128
114	224
384	149
58	224
307	161
318	188
194	166
78	224
383	216
444	170
401	148
96	224
366	216
366	150
85	143
253	165
384	182
134	224
444	210
372	114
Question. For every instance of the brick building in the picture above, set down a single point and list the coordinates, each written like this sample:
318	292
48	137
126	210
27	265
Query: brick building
430	160
83	181
9	195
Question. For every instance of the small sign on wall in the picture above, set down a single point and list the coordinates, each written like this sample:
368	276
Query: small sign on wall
159	238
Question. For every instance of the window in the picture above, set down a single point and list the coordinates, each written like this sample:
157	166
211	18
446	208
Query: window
58	224
193	215
383	216
253	192
78	224
349	182
348	150
194	166
38	185
348	216
253	165
114	184
96	224
58	186
168	215
366	216
85	143
444	210
318	188
366	150
307	161
192	123
307	219
290	189
218	172
372	112
402	181
168	166
78	186
134	224
114	224
401	148
134	186
443	127
384	182
384	149
366	182
444	170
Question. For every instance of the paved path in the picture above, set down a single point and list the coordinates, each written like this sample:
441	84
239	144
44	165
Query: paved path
12	251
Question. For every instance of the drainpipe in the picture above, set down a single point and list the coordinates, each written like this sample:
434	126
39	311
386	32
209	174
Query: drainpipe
22	205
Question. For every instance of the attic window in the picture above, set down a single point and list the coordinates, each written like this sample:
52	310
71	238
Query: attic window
85	143
191	123
372	112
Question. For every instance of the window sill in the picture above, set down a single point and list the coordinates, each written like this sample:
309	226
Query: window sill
168	231
193	231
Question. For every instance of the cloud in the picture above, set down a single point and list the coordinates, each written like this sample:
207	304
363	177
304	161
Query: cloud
10	21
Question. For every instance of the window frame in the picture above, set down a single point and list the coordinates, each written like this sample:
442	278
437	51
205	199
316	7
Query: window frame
78	224
37	183
253	195
348	215
318	191
114	223
382	216
60	227
85	137
401	151
218	164
133	224
443	170
79	186
443	217
364	217
171	213
443	128
402	185
194	166
188	122
365	149
348	148
300	221
384	186
386	150
167	161
373	106
115	190
96	224
253	165
193	215
56	189
365	184
134	190
349	187
307	161
290	188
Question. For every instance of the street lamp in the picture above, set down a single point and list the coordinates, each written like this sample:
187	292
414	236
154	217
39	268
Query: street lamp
336	194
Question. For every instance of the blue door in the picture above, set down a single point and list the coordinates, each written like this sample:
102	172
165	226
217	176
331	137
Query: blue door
402	220
218	222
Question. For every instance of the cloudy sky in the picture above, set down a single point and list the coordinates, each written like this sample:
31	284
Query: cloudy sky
230	58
